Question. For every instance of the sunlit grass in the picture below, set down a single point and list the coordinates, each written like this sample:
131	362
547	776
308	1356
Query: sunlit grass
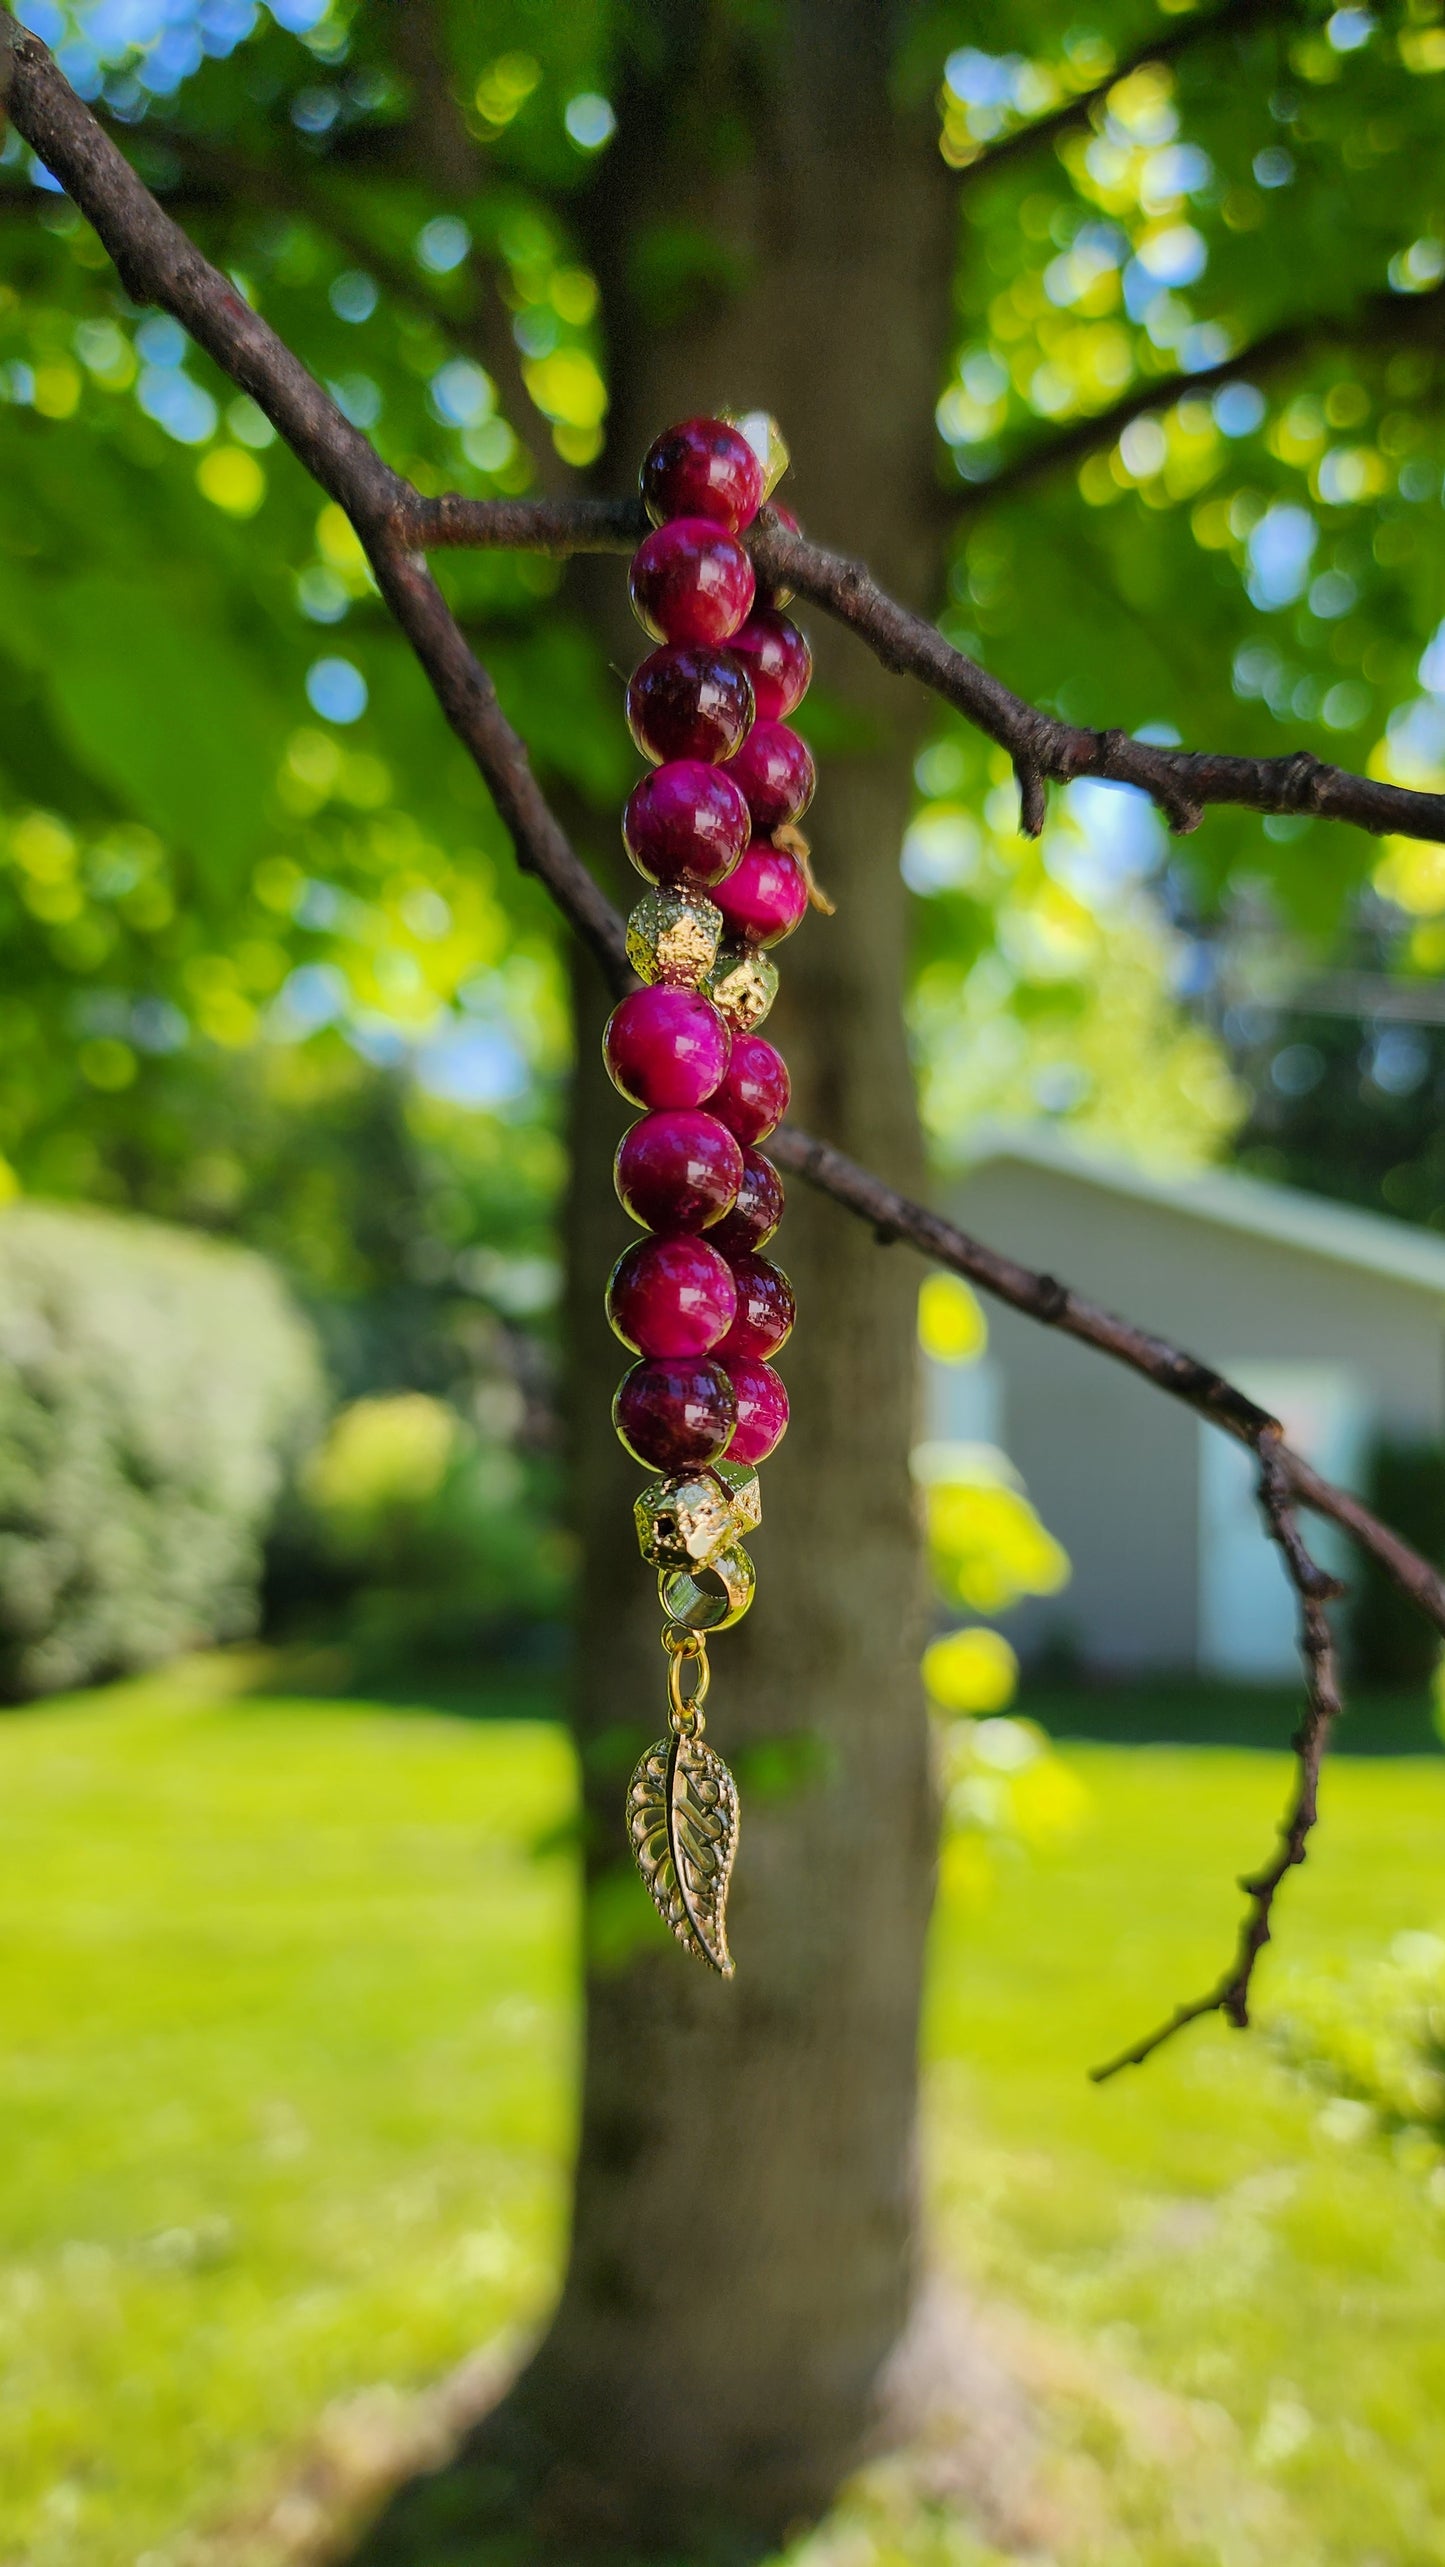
285	2050
286	2031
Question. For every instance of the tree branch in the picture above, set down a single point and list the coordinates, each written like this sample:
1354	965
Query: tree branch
158	264
1230	1994
1180	781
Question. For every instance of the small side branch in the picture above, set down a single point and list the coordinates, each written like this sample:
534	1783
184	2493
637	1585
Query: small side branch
1314	1589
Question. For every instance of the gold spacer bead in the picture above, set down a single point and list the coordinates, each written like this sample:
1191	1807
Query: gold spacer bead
742	986
682	1522
713	1599
673	936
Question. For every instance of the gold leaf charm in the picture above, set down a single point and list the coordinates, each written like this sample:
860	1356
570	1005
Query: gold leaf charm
682	1816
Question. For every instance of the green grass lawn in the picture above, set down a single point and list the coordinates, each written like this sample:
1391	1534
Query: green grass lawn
286	2045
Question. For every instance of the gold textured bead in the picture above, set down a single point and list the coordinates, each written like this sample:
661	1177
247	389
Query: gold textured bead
743	985
673	936
744	1493
683	1521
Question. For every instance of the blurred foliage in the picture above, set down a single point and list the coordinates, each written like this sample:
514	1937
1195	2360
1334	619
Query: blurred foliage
154	1392
1001	1780
438	1538
1373	2034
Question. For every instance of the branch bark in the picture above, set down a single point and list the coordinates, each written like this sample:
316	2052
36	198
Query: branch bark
1182	782
158	264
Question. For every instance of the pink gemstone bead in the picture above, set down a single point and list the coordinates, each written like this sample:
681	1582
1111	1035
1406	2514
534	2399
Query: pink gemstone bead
689	704
778	661
691	581
762	1406
779	596
766	1310
679	1172
764	896
776	772
702	468
753	1097
686	822
666	1047
673	1414
756	1213
672	1297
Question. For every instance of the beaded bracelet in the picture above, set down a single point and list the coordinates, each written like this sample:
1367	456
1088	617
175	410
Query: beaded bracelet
713	829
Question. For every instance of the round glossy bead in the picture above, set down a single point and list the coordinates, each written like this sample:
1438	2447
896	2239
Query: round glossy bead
674	1413
776	772
666	1047
690	704
755	1213
753	1097
766	1310
769	595
702	468
672	1297
764	896
778	662
762	1409
678	1172
691	581
686	822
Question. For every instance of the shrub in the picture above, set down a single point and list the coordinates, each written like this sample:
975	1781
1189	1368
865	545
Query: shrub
444	1535
1372	2032
154	1389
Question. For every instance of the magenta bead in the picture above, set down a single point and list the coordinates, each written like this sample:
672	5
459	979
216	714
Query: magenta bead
674	1414
673	1297
679	1172
767	594
762	1409
757	1211
753	1097
776	772
686	822
778	661
766	1310
689	704
764	896
666	1047
691	581
702	468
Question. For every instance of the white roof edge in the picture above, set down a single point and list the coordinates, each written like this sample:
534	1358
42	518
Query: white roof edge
1368	1241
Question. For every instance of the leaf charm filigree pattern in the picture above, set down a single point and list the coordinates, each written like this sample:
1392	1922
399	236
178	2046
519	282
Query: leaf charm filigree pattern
682	1816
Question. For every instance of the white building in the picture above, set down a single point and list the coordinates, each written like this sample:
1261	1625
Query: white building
1331	1318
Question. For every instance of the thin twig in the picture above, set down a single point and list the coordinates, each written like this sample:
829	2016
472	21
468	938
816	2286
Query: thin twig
1313	1588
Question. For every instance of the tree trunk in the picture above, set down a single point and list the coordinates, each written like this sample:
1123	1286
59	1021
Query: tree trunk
743	2244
